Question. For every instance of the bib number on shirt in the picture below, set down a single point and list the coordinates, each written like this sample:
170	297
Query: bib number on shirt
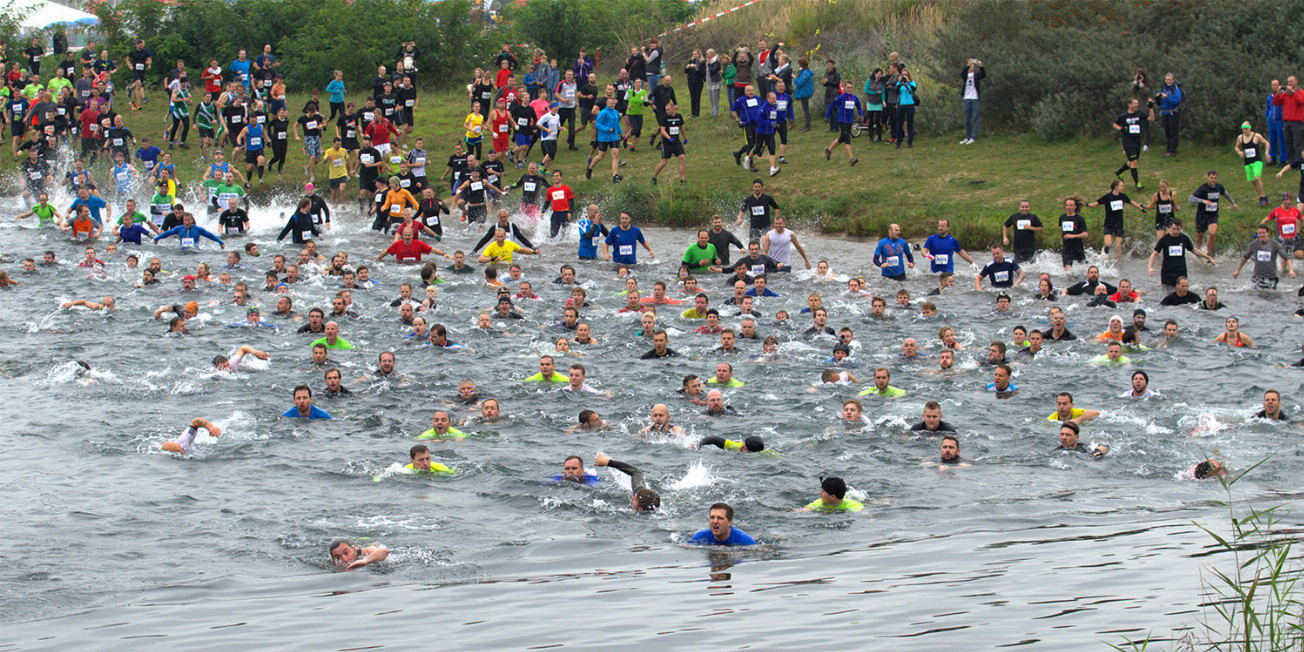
140	66
1023	225
529	186
942	259
1250	152
627	250
557	195
752	103
477	185
758	210
1288	229
1165	208
1001	277
187	242
1066	226
1116	205
1176	251
1263	256
893	261
674	131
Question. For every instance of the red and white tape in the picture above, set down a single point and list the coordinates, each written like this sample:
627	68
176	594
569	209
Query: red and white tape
711	17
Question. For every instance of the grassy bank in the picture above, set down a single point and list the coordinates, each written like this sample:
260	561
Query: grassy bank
975	186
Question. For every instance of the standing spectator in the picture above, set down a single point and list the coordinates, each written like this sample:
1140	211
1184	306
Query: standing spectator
1291	101
554	78
695	72
1276	136
714	72
832	88
803	88
874	105
743	62
505	54
1170	112
653	63
583	65
727	77
906	88
972	75
890	101
1141	91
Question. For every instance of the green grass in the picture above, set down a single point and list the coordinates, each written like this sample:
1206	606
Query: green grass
975	186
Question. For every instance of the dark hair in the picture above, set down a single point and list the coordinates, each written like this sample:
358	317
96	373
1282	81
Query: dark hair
585	415
419	448
952	438
304	388
754	444
831	484
647	499
728	511
1071	426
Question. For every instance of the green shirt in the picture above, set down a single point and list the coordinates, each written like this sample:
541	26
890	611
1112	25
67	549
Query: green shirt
225	193
44	213
730	72
733	382
635	99
847	505
556	378
136	218
31	90
453	433
205	115
889	391
340	343
57	85
161	205
698	258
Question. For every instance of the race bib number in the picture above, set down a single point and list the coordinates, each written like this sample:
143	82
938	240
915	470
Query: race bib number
62	111
280	136
942	259
140	66
367	159
311	124
405	182
35	176
1176	251
1023	225
627	250
849	105
529	186
502	128
758	269
255	143
758	210
1250	152
524	122
369	116
187	242
558	195
231	229
117	142
349	133
596	240
1001	277
1134	129
674	131
1066	226
477	185
420	161
783	105
235	119
1165	208
893	261
395	209
1116	205
752	103
1263	256
1288	229
335	162
305	235
409	103
1212	208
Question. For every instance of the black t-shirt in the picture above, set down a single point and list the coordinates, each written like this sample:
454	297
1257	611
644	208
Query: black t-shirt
1174	299
1024	238
1001	274
368	155
387	102
277	131
233	221
457	163
234	114
1067	336
1173	249
722	240
312	124
942	426
34	53
1114	207
758	210
366	115
69	68
348	125
1131	123
673	125
586	88
530	192
407	98
492	171
1088	287
522	118
1072	225
137	59
1210	193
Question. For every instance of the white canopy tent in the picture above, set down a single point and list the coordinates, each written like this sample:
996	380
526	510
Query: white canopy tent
41	15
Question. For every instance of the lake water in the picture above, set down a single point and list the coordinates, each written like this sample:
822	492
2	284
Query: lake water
111	543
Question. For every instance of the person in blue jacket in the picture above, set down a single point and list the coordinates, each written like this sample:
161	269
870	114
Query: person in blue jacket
803	87
905	124
189	234
785	117
592	233
744	110
766	124
847	108
1276	134
721	531
303	407
609	133
300	226
1170	112
892	254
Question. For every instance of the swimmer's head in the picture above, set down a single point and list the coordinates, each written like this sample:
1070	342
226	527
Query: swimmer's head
753	444
221	362
1208	468
833	486
645	500
829	376
342	552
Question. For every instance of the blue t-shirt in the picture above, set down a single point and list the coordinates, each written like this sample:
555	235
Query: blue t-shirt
943	250
589	479
133	233
589	246
149	155
93	203
991	387
895	253
336	89
241	70
736	538
624	243
1001	274
313	413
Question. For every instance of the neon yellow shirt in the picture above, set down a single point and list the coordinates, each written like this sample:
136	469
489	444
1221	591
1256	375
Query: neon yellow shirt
538	378
435	467
503	253
889	391
847	505
1077	412
337	156
475	125
453	433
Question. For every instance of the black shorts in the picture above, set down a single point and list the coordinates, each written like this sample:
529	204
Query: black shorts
763	142
549	148
844	132
18	128
782	131
350	144
671	148
251	156
232	135
205	132
635	125
1203	220
89	146
1162	220
603	146
339	182
1132	150
366	184
476	213
138	75
404	118
1114	228
586	115
1069	257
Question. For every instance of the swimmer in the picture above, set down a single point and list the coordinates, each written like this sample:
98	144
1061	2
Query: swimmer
188	311
1001	384
575	381
692	390
490	410
932	420
1272	409
945	362
185	444
720	530
107	303
441	427
232	364
853	414
332	340
949	454
833	497
715	405
881	387
1170	335
724	376
1115	331
420	456
752	444
1233	336
547	372
333	387
588	420
642	497
1066	412
303	407
1206	470
353	557
660	417
1140	387
995	353
947	335
832	377
572	470
1068	437
1113	356
660	347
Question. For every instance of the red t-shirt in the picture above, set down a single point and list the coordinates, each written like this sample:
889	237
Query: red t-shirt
560	196
408	251
90	124
1288	221
500	79
379	130
501	124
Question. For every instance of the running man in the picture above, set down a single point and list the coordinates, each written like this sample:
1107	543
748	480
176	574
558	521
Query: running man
1207	199
1253	148
1131	125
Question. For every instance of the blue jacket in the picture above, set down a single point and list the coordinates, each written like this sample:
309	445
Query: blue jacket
608	125
747	108
1172	102
785	108
906	92
191	233
1272	112
804	84
764	122
848	107
888	249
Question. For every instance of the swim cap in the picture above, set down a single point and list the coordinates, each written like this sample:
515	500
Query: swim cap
1139	311
188	277
253	310
308	186
842	346
834	486
1071	426
1115	318
754	444
192	307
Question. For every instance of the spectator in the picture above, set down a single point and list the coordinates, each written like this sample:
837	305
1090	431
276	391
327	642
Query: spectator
972	75
832	88
1291	101
803	88
1170	112
1276	135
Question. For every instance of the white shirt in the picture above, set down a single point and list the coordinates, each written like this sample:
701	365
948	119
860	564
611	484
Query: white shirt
780	246
970	87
